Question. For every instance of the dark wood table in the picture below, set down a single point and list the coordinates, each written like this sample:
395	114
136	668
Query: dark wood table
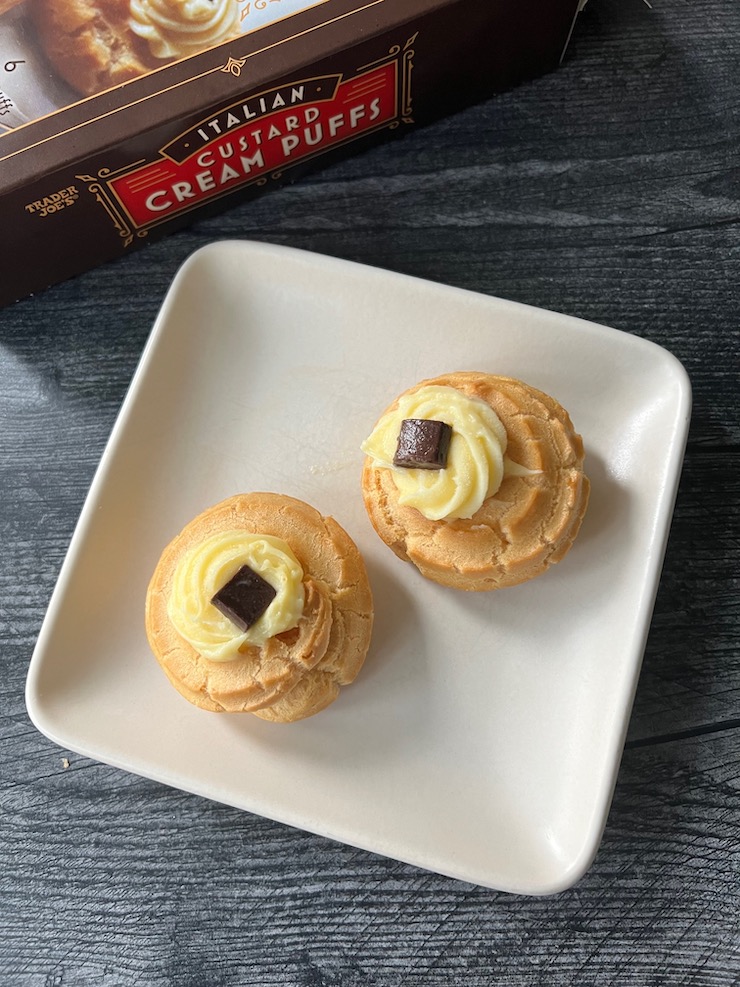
609	190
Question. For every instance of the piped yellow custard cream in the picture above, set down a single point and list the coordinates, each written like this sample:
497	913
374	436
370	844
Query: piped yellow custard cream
442	487
235	589
178	28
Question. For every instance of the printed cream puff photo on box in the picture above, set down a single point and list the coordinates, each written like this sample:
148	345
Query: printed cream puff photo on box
60	50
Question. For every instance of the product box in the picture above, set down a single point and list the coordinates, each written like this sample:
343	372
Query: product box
123	120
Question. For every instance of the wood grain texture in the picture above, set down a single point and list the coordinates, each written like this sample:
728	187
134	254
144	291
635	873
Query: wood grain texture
608	190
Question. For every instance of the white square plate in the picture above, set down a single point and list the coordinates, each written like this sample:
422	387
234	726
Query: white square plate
483	736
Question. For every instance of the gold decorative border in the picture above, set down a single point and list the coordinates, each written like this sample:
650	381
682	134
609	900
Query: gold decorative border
97	185
234	66
408	68
407	51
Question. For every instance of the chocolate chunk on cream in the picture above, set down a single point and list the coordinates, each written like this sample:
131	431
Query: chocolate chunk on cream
423	444
244	598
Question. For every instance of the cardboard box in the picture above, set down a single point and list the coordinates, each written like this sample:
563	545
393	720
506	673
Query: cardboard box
280	86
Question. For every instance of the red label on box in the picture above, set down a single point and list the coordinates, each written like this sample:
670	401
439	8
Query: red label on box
258	137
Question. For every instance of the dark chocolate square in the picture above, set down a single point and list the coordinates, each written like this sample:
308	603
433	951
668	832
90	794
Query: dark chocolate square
423	444
244	598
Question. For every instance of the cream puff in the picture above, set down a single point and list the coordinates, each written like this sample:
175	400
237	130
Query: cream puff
475	479
260	605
